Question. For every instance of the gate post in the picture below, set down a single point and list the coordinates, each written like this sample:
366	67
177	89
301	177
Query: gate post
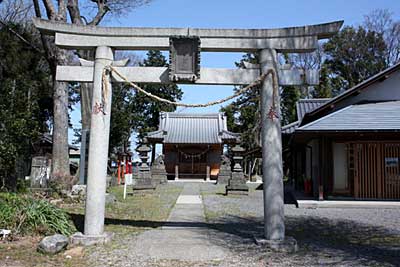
98	148
274	225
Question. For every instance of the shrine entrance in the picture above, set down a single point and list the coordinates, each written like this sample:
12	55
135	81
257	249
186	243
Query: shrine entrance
185	46
192	162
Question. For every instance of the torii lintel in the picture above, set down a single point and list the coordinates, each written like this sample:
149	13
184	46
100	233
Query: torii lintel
291	40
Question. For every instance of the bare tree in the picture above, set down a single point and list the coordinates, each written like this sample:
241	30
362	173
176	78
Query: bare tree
307	61
16	11
381	21
81	12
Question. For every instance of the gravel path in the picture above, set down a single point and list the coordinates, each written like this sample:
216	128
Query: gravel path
326	237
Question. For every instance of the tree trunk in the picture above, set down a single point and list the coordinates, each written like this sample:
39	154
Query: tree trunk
60	153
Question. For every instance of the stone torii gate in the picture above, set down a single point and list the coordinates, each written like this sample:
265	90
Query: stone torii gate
185	45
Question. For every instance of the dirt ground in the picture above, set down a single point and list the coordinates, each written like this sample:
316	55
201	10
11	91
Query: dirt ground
326	236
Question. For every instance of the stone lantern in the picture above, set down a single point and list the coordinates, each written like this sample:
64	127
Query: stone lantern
144	169
143	180
237	183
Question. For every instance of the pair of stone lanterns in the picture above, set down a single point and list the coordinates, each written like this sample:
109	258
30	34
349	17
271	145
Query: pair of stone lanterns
236	183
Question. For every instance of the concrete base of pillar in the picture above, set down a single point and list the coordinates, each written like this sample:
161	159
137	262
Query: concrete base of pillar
90	240
236	190
223	178
288	245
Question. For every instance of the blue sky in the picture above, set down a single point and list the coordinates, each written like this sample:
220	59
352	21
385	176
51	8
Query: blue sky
240	14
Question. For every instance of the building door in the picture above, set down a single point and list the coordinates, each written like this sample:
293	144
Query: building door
376	170
340	168
192	162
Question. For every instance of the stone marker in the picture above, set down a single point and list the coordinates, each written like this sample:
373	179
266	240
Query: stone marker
225	171
53	244
237	183
39	172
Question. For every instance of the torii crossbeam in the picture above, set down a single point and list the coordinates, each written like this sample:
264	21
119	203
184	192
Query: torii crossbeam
267	42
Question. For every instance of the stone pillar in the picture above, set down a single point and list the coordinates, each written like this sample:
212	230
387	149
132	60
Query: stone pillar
274	226
176	172
153	152
249	170
208	170
98	146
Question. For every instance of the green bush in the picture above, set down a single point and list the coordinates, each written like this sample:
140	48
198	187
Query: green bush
25	215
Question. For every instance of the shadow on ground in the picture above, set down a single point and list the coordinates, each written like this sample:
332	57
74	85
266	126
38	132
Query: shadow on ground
321	241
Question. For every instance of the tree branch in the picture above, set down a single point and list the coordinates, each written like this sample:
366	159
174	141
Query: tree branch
50	9
102	9
38	13
45	42
74	12
62	10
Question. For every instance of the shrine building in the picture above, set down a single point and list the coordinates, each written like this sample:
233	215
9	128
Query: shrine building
192	143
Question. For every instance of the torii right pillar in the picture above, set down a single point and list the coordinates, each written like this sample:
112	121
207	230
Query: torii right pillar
274	225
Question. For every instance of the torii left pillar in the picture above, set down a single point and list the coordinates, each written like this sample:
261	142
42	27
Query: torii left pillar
98	152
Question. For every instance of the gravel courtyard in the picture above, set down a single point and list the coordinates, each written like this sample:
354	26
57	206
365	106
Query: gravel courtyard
326	236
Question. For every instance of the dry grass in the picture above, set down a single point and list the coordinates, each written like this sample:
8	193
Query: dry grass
23	252
140	211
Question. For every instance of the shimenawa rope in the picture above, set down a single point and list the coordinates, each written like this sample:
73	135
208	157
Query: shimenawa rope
211	103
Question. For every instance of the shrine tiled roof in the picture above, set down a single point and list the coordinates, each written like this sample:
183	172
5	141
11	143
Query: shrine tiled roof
186	128
366	117
303	106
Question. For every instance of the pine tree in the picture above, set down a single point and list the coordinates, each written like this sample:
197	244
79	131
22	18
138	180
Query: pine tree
354	55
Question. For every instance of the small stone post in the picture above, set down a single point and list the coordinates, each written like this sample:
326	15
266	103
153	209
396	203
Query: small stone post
98	146
176	172
208	173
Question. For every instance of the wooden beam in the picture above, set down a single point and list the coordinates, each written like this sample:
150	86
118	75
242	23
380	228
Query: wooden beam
322	31
287	45
208	76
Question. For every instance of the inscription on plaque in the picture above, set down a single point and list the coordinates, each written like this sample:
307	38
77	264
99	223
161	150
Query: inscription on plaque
184	59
